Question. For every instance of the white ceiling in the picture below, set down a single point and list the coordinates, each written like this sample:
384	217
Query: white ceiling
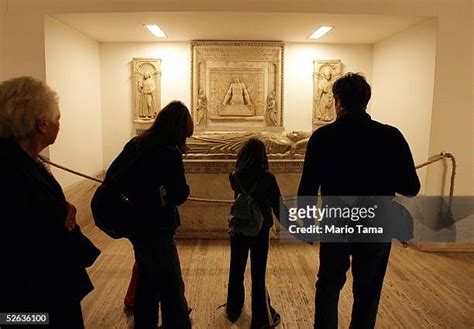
186	26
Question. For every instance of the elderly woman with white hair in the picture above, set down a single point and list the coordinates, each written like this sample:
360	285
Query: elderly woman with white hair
43	253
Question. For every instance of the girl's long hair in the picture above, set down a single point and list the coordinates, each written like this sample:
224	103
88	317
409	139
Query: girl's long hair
172	126
252	159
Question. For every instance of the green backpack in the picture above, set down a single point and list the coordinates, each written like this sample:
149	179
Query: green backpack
245	214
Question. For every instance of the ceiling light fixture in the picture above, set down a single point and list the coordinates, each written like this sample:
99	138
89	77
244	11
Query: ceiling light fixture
155	30
322	30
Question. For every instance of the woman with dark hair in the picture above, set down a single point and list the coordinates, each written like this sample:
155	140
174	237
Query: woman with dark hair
156	185
252	176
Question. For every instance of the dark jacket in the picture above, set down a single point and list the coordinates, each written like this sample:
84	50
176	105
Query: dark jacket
266	193
356	155
41	266
147	168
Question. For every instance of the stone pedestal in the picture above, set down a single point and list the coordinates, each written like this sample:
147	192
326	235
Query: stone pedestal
209	179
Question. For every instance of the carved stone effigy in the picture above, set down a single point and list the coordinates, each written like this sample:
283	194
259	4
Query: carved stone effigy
241	83
326	72
146	89
226	145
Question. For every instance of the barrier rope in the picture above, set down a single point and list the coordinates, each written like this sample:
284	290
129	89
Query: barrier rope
46	160
433	159
439	157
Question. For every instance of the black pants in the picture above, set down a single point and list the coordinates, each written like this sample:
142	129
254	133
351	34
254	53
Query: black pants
262	311
369	262
159	280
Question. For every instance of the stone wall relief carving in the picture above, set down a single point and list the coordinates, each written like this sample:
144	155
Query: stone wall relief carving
201	108
237	95
237	98
272	113
146	88
326	72
237	78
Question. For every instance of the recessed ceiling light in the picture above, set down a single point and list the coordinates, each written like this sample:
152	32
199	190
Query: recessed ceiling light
322	30
156	30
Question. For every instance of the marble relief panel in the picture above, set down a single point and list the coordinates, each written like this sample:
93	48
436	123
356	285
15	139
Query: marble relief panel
325	73
146	88
237	85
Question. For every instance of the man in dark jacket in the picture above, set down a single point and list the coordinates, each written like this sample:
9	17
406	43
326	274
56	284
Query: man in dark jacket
355	156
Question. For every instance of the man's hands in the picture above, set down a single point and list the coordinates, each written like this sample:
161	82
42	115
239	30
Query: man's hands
70	217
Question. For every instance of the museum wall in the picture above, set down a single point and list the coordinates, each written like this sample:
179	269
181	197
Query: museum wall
73	70
116	72
3	8
452	128
298	76
403	82
176	74
23	44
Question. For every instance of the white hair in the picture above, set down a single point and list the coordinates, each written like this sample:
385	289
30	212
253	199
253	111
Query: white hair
23	101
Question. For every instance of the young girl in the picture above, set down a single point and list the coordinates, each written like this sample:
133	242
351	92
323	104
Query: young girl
252	174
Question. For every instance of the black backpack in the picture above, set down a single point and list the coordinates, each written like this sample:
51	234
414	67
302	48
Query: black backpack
246	217
113	212
112	207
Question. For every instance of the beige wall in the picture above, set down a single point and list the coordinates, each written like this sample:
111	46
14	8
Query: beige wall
3	8
23	42
403	81
116	74
452	117
73	70
298	76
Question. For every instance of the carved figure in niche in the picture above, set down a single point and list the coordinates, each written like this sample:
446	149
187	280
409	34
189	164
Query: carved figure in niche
272	114
237	95
325	99
201	107
227	145
146	88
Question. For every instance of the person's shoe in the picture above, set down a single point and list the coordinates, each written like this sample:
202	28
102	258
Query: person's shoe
128	309
276	320
232	317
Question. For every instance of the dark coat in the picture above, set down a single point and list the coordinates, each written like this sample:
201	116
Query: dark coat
147	168
356	155
267	194
41	264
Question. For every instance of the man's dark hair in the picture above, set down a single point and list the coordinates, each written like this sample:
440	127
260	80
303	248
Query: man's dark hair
353	91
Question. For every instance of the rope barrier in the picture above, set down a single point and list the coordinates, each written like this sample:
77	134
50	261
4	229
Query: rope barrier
433	159
46	160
